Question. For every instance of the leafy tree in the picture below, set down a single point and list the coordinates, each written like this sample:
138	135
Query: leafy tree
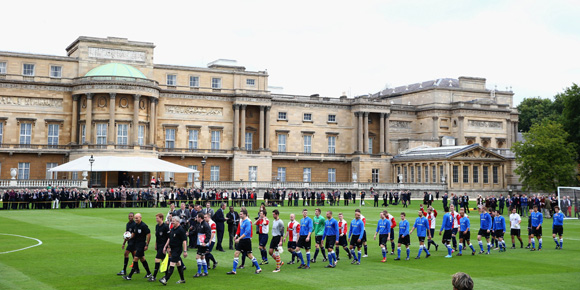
533	110
546	160
571	113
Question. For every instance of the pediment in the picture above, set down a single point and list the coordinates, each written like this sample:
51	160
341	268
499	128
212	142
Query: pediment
476	152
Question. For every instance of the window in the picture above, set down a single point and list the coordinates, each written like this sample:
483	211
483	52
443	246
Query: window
405	174
282	143
190	175
249	141
215	140
141	135
307	143
465	174
375	175
282	116
53	134
101	134
307	117
25	133
193	82
169	138
83	134
455	174
371	145
475	174
426	174
96	178
2	68
495	175
331	174
28	70
418	174
122	134
253	173
50	175
282	174
23	170
193	139
307	174
55	71
1	131
216	83
441	171
250	82
171	80
434	175
214	173
485	174
75	175
412	174
331	118
332	144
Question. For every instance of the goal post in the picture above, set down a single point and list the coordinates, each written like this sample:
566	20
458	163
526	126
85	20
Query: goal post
568	201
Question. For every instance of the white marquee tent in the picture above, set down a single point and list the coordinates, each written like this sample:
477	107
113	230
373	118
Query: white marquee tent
115	163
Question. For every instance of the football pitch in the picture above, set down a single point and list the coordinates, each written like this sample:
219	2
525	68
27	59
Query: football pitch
81	249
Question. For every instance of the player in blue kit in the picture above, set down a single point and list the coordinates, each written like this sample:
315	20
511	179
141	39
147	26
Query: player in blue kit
422	226
403	237
245	242
499	230
304	242
464	233
384	231
485	227
447	225
537	220
558	227
331	234
355	234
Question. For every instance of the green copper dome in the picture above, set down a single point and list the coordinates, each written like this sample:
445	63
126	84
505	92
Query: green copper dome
116	70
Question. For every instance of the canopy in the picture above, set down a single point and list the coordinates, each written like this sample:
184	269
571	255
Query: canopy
129	164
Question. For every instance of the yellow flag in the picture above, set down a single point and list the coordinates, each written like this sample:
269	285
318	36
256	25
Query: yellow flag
164	264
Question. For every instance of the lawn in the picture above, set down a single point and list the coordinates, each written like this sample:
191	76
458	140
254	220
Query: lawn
81	249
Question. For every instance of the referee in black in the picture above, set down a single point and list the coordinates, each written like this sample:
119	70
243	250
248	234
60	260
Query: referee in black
130	227
162	232
142	236
176	244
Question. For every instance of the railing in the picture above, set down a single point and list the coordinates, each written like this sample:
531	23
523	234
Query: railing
35	146
189	150
41	183
508	153
4	182
44	79
324	185
124	146
308	154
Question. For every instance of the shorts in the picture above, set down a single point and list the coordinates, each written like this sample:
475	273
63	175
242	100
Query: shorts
529	231
498	234
432	231
160	254
245	245
392	234
421	239
175	255
201	250
330	242
303	244
342	241
140	250
275	242
537	232
515	232
558	230
354	241
483	233
364	238
210	248
263	240
454	231
318	239
404	241
383	239
131	247
447	235
292	245
465	237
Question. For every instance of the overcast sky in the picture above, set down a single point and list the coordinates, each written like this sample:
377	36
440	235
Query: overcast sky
329	47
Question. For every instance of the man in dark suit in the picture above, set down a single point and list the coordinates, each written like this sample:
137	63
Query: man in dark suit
219	220
232	218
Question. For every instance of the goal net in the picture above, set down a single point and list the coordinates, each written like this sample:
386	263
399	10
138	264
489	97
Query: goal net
568	200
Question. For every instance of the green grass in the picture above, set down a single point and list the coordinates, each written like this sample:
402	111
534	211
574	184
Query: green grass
82	250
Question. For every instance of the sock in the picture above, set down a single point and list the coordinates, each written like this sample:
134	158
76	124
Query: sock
316	253
156	269
136	266
125	262
323	253
540	243
146	265
180	271
299	255
426	251
392	246
449	249
533	244
243	258
131	273
353	255
398	252
278	260
454	240
488	247
330	258
308	258
359	254
293	256
513	245
561	242
204	265
420	251
503	244
366	250
481	245
471	246
384	253
255	262
337	251
200	265
236	261
169	273
408	252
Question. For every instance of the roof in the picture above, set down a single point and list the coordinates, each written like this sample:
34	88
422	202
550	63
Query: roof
116	70
115	163
440	153
438	83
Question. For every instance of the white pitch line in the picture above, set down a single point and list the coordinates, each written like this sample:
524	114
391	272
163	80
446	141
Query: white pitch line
39	243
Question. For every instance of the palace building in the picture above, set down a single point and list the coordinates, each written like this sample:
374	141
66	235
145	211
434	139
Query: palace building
108	97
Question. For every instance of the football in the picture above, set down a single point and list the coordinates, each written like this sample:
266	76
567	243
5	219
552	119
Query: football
126	235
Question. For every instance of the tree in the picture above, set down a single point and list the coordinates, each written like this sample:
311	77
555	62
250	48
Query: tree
546	160
571	113
534	110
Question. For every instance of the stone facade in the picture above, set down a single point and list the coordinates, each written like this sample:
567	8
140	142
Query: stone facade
227	115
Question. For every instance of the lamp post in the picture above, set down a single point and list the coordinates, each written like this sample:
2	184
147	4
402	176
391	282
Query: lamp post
91	160
203	161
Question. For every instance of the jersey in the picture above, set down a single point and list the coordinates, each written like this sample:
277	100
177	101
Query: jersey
393	221
176	237
277	228
447	223
318	222
213	229
161	234
262	225
464	224
558	219
537	219
364	219
141	232
293	230
342	227
421	224
499	223
431	217
515	220
330	229
130	227
404	228
485	221
306	226
456	218
384	227
246	229
357	228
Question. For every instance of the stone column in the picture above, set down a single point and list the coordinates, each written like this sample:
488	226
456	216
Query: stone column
236	126
112	118
366	133
387	124
359	132
481	175
75	119
509	133
515	132
435	128
461	134
136	119
382	133
267	129
243	125
261	141
89	119
152	119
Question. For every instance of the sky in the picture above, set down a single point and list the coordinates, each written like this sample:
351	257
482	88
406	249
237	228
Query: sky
329	47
